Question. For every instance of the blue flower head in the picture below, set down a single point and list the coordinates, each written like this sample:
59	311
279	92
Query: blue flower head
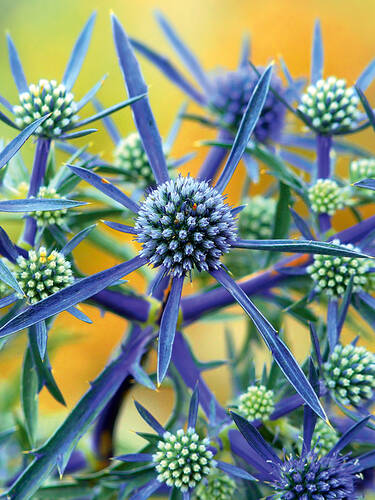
231	91
310	474
316	477
185	224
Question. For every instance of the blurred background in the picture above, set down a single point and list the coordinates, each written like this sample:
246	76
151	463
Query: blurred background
44	33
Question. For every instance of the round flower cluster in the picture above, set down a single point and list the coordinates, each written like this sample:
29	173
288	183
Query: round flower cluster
257	218
230	96
131	158
330	105
185	224
183	459
331	274
217	486
350	374
324	437
326	197
312	477
43	98
48	218
363	168
42	274
257	403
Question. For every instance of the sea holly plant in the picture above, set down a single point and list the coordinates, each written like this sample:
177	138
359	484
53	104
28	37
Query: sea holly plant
288	429
56	100
224	94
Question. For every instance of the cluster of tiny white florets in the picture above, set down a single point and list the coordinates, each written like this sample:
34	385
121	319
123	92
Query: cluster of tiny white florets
331	274
42	274
43	98
364	168
217	486
350	374
131	158
331	105
257	403
324	437
48	218
184	224
326	197
183	460
257	219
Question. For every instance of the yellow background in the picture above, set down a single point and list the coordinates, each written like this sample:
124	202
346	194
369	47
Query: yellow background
44	33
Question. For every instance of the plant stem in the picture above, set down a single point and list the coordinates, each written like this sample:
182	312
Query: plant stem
323	148
36	180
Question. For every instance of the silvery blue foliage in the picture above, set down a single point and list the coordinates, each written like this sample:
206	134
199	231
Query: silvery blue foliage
283	438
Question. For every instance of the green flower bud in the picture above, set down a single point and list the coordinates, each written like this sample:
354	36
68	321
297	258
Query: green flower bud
183	460
42	274
330	105
257	403
327	197
43	98
349	374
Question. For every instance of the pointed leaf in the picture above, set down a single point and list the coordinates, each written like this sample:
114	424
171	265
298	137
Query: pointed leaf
234	471
170	71
367	107
193	408
167	329
347	438
108	111
7	277
280	352
108	123
16	67
366	77
143	116
332	331
29	397
4	118
76	240
187	57
91	94
149	419
7	249
309	417
317	56
315	343
78	54
247	125
300	246
141	376
245	51
302	226
43	368
11	149
123	228
70	296
255	440
41	338
38	204
77	135
77	313
105	187
366	183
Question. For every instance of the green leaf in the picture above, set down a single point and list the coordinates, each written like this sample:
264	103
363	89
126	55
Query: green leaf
282	218
29	397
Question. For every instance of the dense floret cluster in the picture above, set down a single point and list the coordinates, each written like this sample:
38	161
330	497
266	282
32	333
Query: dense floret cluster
47	97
